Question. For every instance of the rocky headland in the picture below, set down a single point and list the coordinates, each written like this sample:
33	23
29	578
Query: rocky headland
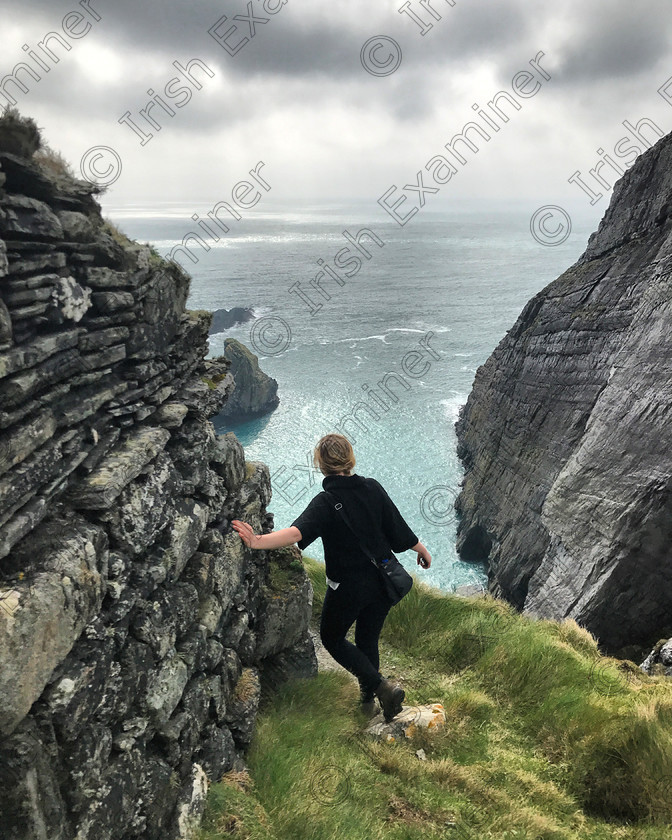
138	635
566	437
224	319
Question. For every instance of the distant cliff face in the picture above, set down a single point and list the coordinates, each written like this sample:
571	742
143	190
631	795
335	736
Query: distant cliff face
137	633
255	392
566	437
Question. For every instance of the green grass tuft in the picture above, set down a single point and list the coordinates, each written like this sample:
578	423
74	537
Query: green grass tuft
18	135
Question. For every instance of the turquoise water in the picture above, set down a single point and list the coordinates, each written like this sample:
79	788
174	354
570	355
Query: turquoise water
453	279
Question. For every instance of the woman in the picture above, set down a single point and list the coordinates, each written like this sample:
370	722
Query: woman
355	590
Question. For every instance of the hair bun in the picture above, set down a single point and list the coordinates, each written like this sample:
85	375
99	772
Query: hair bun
334	454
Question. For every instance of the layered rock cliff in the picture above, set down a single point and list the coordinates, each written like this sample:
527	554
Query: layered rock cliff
138	635
566	436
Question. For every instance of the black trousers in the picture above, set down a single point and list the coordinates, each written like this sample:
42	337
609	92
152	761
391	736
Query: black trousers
362	600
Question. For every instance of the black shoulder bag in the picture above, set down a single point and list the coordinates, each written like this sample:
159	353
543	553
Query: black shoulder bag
396	580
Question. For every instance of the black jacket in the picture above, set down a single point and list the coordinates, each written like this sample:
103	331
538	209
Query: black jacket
371	512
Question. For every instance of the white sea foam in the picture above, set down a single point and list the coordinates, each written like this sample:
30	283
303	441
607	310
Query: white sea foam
425	328
364	338
452	405
383	336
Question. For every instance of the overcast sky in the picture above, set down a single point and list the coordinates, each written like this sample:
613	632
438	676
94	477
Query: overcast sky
297	96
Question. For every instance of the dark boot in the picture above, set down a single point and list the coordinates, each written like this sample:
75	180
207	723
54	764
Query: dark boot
367	703
369	708
391	696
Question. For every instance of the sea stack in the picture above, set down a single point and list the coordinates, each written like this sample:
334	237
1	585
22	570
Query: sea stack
255	392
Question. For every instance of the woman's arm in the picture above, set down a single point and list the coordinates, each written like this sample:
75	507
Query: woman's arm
276	539
398	531
424	557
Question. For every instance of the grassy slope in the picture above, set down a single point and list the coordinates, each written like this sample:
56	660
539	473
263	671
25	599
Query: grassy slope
545	739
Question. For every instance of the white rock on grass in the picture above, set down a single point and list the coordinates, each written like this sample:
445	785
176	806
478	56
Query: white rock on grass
407	722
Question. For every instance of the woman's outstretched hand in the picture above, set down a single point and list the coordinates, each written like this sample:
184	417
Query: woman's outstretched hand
276	539
424	557
245	532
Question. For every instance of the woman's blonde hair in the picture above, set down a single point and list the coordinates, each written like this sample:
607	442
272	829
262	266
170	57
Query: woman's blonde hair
334	454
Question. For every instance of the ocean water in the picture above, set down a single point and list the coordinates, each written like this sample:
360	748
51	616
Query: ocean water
388	359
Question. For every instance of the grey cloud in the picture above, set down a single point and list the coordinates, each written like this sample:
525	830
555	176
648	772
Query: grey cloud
327	44
321	49
308	55
623	40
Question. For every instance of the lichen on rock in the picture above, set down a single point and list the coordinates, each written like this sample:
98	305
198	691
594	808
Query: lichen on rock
72	299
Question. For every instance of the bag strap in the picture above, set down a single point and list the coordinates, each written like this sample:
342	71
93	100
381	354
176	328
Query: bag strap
338	507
